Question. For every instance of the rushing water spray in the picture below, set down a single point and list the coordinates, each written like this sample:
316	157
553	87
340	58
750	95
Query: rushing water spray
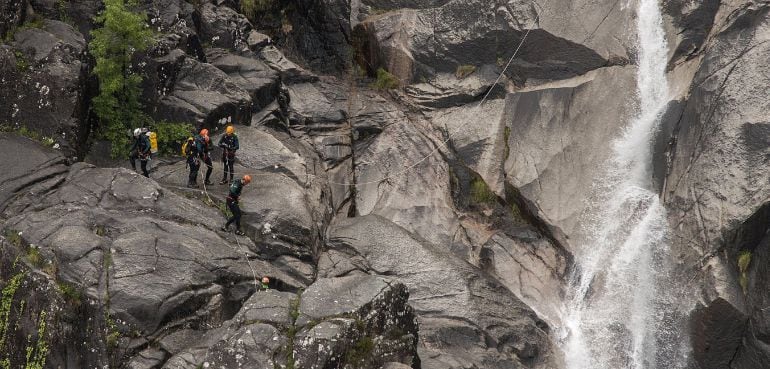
616	312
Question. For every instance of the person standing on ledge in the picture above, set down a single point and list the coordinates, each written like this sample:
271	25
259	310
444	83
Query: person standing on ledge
203	146
140	149
232	203
229	144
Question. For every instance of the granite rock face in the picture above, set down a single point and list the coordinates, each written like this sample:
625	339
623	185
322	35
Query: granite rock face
427	226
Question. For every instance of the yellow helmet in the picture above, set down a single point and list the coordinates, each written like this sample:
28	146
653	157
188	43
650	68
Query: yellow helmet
230	130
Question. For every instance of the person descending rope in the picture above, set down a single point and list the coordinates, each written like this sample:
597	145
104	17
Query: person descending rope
232	203
190	150
229	144
140	149
203	146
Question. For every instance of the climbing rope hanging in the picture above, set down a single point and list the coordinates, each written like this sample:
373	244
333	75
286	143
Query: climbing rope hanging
390	176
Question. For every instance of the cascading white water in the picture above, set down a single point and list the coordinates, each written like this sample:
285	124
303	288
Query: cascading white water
615	316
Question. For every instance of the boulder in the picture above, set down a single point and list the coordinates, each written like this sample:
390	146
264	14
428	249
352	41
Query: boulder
465	317
557	141
156	265
477	134
220	26
362	321
191	91
41	83
716	206
324	40
30	168
400	175
421	43
531	267
250	74
448	90
691	23
371	323
289	71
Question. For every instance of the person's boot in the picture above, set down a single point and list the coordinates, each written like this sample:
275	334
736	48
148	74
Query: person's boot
207	182
224	181
192	184
239	232
225	228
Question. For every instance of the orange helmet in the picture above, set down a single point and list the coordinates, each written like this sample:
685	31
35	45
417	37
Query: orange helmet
246	179
205	132
265	280
229	130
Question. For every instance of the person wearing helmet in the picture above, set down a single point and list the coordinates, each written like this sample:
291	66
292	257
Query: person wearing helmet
232	203
265	284
229	144
203	147
140	149
193	162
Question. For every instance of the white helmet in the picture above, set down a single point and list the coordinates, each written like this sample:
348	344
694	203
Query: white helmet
137	132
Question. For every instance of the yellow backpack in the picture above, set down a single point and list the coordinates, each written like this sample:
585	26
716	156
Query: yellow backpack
153	142
187	146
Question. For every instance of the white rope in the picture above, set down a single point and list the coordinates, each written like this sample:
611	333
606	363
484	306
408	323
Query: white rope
408	168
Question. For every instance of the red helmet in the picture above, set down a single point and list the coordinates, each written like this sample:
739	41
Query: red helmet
205	132
246	179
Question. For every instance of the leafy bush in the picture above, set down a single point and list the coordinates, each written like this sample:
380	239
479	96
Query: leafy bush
34	257
171	136
464	71
22	65
385	80
123	33
69	292
13	237
360	352
480	192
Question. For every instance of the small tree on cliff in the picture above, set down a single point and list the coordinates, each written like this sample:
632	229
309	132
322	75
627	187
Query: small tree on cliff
123	33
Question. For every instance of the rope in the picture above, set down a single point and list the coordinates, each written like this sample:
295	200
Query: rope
392	175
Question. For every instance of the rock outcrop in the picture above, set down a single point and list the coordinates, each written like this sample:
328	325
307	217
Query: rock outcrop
465	317
426	226
715	159
42	83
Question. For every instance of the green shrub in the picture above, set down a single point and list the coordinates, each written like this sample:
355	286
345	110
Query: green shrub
34	257
480	192
22	65
744	260
464	71
69	292
360	352
171	136
37	354
26	132
34	22
14	237
385	80
123	32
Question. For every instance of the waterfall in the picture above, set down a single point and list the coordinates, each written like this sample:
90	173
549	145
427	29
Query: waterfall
617	311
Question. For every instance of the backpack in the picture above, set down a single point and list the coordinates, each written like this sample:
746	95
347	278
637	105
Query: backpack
153	142
188	146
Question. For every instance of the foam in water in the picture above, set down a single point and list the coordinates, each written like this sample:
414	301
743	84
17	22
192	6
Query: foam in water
615	315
